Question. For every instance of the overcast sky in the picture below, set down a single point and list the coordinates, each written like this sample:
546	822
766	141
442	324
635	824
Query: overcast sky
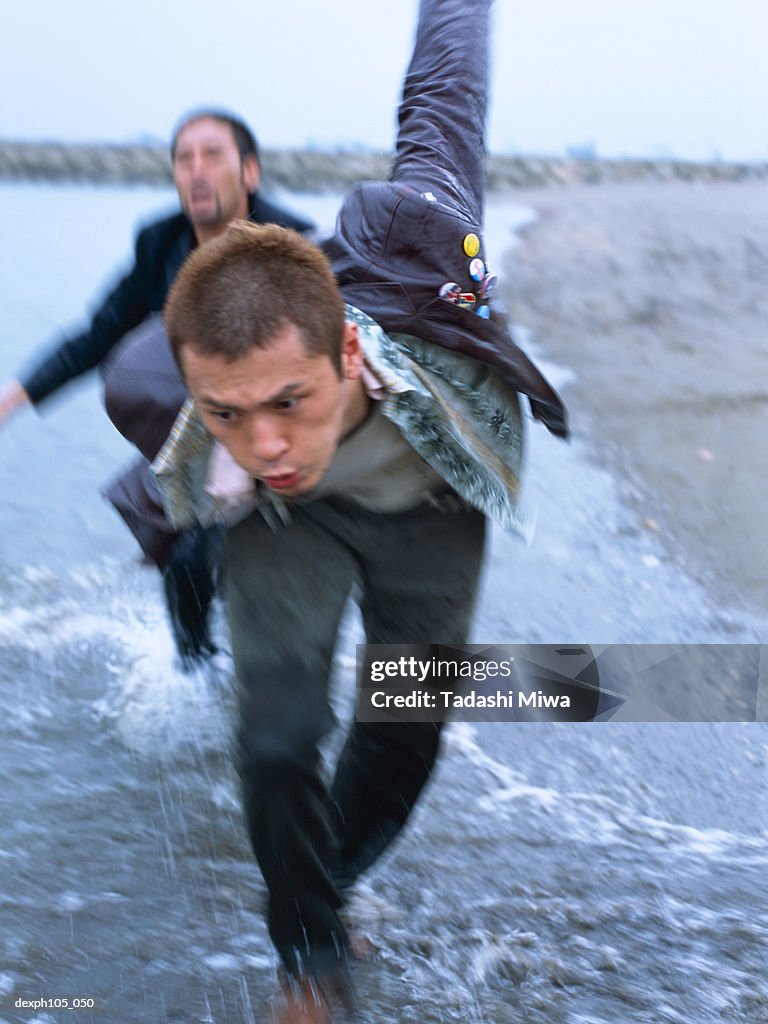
629	77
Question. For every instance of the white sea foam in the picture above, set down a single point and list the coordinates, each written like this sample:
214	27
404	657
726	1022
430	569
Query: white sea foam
66	619
598	819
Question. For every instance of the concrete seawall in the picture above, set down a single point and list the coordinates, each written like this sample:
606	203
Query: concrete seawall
310	171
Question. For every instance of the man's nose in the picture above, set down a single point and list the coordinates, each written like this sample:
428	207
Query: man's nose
267	443
197	164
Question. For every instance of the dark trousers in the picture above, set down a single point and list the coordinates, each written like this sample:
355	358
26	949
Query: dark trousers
416	574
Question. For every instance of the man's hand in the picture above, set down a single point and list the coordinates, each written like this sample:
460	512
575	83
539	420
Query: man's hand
12	397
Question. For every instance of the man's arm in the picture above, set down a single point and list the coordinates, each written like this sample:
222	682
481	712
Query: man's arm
124	307
138	293
442	115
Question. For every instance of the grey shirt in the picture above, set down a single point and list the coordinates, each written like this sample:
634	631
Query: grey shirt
376	467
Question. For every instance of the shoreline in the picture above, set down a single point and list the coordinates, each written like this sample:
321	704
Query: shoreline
314	170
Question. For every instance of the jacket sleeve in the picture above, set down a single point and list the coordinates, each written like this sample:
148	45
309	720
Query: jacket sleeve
126	305
441	120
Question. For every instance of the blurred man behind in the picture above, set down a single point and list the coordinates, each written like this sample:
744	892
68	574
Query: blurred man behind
216	171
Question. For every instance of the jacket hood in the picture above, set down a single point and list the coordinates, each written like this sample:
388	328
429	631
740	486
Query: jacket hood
393	250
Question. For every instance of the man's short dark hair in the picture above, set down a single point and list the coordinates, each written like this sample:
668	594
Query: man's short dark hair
244	138
238	291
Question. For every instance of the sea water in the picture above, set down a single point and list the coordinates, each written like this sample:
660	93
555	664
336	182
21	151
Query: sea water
553	874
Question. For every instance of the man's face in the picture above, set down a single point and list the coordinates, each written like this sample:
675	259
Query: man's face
212	181
280	411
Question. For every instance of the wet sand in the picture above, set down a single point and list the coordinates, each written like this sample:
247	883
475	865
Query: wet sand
656	296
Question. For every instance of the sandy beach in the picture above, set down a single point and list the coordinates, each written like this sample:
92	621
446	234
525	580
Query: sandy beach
655	296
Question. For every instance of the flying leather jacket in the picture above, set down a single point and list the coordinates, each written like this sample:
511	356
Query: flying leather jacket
405	249
409	251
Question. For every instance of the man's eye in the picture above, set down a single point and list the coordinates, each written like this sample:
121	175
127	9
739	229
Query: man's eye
286	404
223	415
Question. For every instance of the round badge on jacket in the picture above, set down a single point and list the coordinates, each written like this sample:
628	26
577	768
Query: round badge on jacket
471	245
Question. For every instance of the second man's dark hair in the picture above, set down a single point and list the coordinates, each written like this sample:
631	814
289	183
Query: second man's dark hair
244	138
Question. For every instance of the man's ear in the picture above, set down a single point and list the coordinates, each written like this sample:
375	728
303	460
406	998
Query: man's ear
251	172
351	352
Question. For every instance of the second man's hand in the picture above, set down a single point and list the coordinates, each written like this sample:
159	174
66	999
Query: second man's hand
12	398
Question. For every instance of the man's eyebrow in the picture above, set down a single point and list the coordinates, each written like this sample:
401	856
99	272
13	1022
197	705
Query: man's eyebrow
286	392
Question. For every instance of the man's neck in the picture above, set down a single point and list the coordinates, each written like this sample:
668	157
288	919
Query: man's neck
357	404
